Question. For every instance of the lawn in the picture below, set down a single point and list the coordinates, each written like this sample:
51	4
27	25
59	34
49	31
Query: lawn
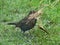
15	10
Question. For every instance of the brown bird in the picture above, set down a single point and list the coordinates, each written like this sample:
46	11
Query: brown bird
29	21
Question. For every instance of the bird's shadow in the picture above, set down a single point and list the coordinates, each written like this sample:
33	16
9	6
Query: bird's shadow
28	34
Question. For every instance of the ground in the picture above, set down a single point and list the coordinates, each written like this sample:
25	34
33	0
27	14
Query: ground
15	10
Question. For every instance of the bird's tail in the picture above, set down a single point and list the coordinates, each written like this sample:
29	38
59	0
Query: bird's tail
11	23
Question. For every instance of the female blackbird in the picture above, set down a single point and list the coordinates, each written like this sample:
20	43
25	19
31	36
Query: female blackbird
26	23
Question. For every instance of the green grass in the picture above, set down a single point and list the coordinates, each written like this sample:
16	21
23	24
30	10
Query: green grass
15	10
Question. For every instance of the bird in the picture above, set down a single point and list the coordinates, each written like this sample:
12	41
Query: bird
25	24
29	21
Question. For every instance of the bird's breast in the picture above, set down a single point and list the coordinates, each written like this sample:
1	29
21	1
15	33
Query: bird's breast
28	24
